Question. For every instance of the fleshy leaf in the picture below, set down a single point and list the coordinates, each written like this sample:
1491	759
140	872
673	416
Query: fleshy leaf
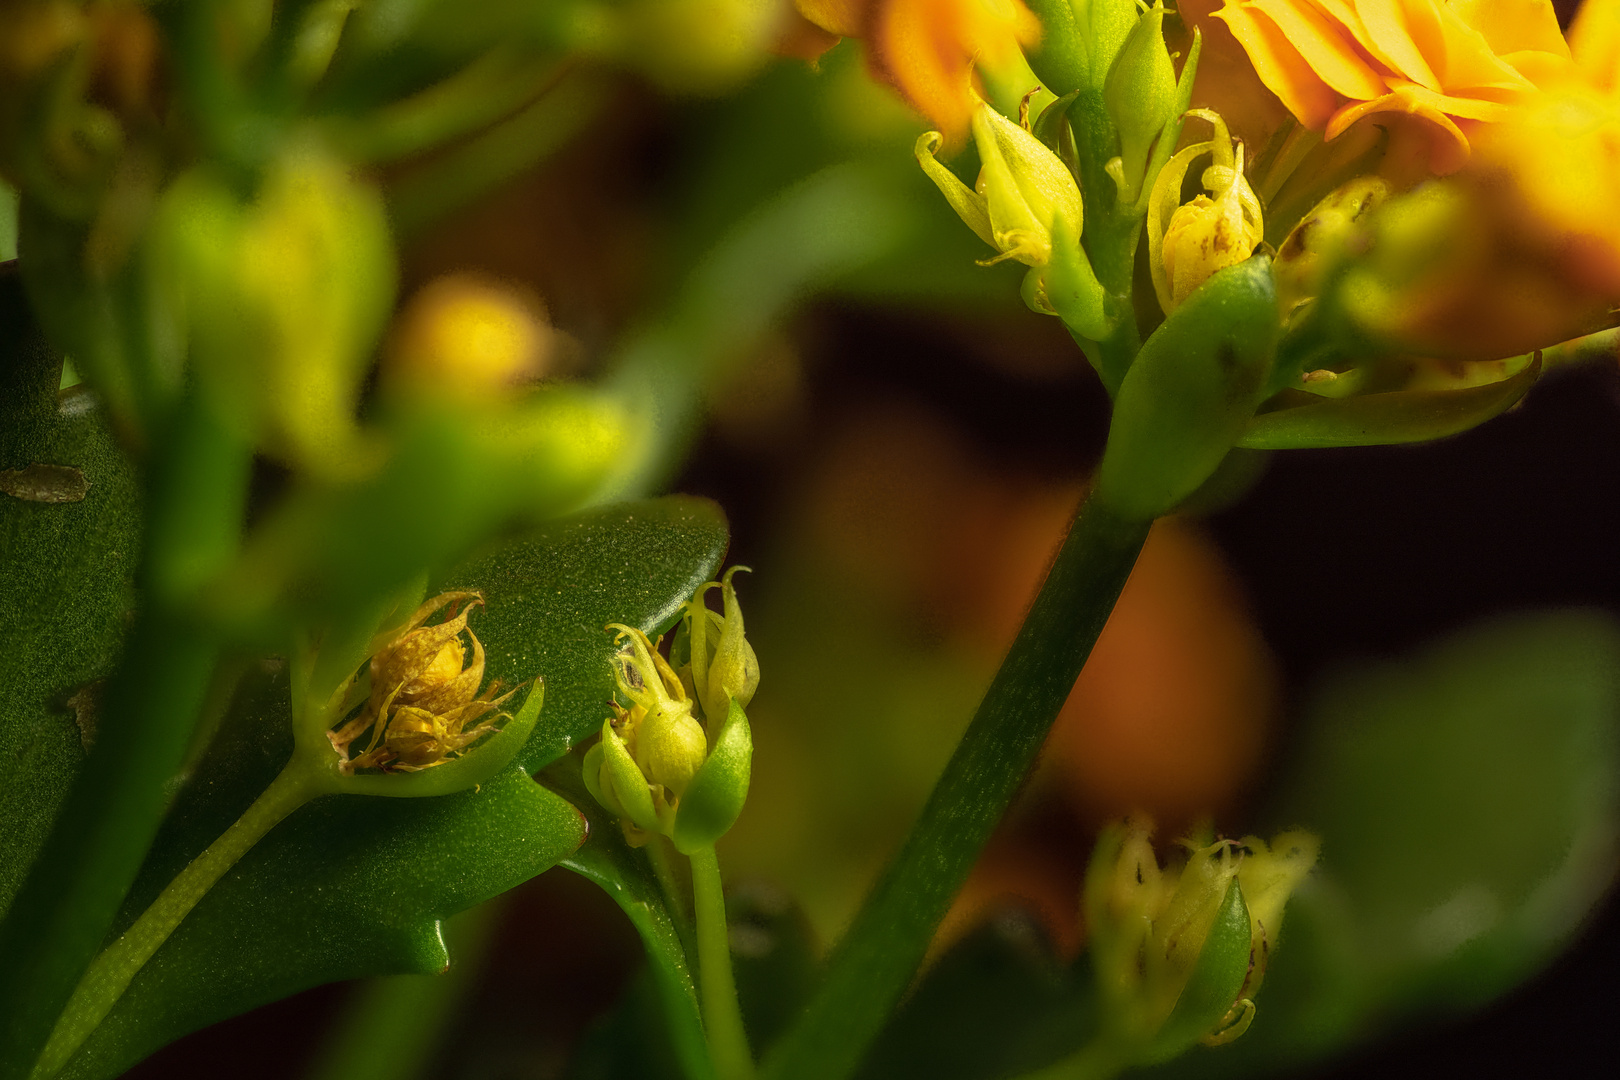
1384	419
549	595
67	585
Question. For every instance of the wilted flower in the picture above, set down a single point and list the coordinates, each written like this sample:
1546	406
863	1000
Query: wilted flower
423	693
1024	189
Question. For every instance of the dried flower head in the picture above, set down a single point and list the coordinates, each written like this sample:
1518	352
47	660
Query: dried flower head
424	693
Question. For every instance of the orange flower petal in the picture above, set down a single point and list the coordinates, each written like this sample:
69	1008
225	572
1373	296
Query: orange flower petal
1321	43
1406	32
1510	26
1280	65
846	18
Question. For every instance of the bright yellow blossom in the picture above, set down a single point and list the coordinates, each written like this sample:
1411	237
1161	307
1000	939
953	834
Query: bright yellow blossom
1455	64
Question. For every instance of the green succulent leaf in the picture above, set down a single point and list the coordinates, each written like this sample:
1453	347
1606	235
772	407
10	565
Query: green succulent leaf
353	885
66	583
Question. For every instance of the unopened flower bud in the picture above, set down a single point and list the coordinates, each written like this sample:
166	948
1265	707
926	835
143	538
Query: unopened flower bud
1141	97
1188	244
284	296
1079	41
1023	187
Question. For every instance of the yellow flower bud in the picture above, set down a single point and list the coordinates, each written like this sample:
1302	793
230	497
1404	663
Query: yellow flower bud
1319	238
724	666
1188	244
464	341
1023	188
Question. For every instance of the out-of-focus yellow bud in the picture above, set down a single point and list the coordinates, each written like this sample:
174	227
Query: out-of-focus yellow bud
1023	189
1173	949
1187	244
283	296
1460	269
1320	237
465	341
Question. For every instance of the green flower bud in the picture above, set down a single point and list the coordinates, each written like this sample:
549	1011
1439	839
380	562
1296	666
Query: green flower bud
1140	93
1190	392
1079	41
723	665
1023	187
717	793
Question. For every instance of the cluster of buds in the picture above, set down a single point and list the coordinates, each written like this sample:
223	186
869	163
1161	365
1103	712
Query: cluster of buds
675	760
424	693
1179	952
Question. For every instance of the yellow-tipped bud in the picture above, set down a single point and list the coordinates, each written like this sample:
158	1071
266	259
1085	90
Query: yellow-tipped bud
465	341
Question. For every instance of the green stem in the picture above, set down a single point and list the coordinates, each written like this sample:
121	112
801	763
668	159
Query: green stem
879	955
722	1019
109	976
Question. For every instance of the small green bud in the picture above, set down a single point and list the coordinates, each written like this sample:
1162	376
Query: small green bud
1023	187
723	665
1190	392
717	793
284	296
667	741
1079	41
1141	97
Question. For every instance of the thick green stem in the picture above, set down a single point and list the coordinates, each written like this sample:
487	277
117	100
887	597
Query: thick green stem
722	1019
109	976
1101	1059
60	917
879	955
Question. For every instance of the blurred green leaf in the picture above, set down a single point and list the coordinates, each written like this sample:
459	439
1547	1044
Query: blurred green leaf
774	958
1469	806
999	1004
66	584
352	886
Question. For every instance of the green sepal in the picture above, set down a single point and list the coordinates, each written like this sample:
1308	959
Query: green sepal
1214	984
1310	422
1191	392
1071	286
621	773
1079	40
1171	135
591	773
1052	127
475	766
1140	93
717	793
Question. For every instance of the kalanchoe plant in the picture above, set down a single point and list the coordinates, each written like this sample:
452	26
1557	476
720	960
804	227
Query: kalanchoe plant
306	546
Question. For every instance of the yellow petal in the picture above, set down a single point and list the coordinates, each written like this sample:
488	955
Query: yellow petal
842	17
1323	45
1595	43
1510	26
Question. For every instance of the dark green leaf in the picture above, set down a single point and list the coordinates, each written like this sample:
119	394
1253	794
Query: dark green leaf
352	886
65	585
551	594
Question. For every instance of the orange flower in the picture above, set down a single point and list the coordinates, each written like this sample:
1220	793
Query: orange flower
927	49
1456	64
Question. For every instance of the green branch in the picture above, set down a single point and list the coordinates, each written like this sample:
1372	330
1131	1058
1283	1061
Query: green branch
880	954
